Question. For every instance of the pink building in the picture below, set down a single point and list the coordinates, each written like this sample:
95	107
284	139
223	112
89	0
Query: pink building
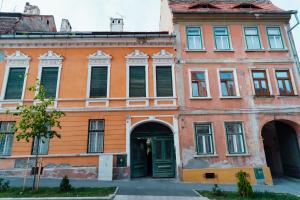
238	86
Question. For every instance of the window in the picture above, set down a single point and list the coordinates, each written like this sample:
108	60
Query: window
194	38
7	137
222	40
40	145
284	83
164	81
252	38
204	139
98	85
235	138
15	83
227	84
137	81
275	38
49	81
96	136
199	84
260	82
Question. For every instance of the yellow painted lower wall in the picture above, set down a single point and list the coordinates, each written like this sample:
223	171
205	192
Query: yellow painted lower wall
223	175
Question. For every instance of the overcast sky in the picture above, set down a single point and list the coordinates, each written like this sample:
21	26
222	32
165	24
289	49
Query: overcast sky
93	15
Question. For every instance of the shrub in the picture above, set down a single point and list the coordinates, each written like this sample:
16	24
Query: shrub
244	186
217	191
65	185
4	185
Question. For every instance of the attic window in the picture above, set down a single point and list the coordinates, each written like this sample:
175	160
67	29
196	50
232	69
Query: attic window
247	6
203	5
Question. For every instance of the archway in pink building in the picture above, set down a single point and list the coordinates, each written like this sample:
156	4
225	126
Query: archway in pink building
281	148
152	151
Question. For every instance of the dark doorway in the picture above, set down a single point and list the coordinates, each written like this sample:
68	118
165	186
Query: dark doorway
152	151
281	149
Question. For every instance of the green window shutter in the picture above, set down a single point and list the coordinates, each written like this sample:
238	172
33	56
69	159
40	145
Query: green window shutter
137	81
98	87
49	81
164	83
15	83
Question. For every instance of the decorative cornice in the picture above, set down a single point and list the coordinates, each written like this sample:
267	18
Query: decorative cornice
86	42
99	58
51	59
137	57
18	59
163	57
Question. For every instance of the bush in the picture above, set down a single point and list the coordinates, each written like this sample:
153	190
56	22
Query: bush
65	185
4	185
244	186
217	191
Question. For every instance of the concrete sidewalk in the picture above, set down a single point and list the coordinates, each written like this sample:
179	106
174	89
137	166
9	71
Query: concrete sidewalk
164	188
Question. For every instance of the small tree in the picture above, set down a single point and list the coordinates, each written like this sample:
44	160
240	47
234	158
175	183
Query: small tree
244	186
65	185
37	120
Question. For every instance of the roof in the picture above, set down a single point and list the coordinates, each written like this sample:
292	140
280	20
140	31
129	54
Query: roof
12	22
224	6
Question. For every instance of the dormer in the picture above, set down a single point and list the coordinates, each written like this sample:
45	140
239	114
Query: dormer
246	6
203	6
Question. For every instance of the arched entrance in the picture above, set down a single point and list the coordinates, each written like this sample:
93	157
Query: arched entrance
281	149
152	151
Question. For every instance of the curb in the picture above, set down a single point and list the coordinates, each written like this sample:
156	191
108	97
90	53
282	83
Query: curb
199	195
110	197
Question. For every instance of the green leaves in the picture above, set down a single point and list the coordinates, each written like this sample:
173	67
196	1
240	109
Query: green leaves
38	119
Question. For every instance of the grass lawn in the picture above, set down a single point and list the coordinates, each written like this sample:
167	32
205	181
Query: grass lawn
54	192
257	195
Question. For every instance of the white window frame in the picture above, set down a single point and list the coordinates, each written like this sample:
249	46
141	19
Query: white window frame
206	82
229	35
259	35
137	58
268	79
282	37
98	59
244	136
236	83
164	59
202	38
51	59
294	87
213	139
15	60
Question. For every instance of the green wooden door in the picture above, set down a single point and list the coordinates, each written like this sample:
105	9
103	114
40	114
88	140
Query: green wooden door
139	158
163	157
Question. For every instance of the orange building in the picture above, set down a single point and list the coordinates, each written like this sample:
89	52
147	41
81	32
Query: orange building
238	87
118	92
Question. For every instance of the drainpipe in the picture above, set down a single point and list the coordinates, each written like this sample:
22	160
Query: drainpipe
292	41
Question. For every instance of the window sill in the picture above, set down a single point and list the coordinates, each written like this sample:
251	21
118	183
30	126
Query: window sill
238	155
195	50
200	98
278	50
232	97
206	156
224	50
255	50
264	97
288	96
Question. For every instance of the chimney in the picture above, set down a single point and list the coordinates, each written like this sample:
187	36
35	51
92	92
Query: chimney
31	9
116	24
65	26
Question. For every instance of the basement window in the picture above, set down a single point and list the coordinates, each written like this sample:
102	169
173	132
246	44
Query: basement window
203	5
246	6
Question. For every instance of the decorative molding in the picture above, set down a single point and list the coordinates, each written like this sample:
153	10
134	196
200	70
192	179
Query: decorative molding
163	57
51	59
137	57
18	59
99	58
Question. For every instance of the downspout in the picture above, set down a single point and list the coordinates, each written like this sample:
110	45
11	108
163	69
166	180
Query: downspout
292	41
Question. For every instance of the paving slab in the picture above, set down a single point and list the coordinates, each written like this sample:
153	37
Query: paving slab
136	197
